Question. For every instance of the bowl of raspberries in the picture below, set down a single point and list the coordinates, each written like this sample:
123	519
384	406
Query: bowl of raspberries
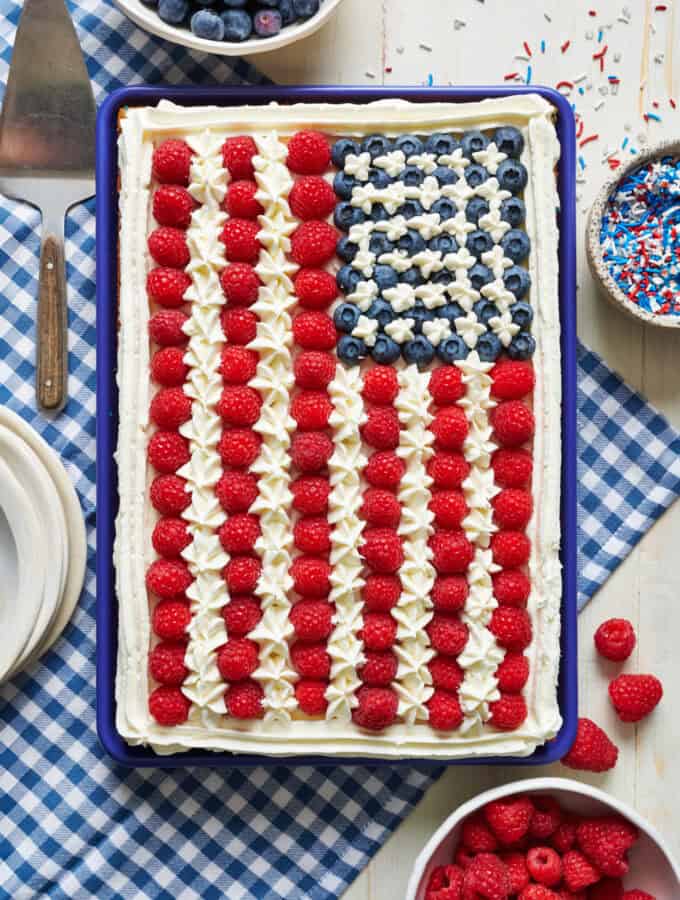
230	27
545	839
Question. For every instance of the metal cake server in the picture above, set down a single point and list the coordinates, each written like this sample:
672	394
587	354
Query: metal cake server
47	141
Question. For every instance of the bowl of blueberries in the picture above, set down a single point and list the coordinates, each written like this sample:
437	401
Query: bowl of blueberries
230	27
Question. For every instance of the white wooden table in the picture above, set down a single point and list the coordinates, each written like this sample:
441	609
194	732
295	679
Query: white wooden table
385	41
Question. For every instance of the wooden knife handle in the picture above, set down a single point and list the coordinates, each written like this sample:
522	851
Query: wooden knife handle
52	352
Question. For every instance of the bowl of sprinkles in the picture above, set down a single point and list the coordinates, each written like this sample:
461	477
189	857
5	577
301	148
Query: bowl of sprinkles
633	240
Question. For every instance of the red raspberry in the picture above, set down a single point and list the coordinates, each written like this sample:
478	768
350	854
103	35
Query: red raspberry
239	447
486	877
315	288
447	634
166	663
615	639
237	659
170	537
311	697
637	895
244	700
446	883
167	286
168	247
311	576
382	550
242	574
381	592
384	470
169	495
509	712
450	428
308	153
173	206
171	162
463	858
544	866
168	367
312	534
448	470
635	696
512	468
564	838
314	370
606	840
445	711
237	156
310	452
382	427
446	674
452	552
239	406
312	619
446	385
168	578
165	328
236	491
314	331
310	495
380	385
547	816
169	706
511	628
238	365
170	408
239	237
167	451
379	631
579	873
512	508
377	708
513	423
512	379
380	508
311	410
240	201
518	873
609	889
449	508
449	594
380	668
511	587
239	533
312	198
241	615
510	549
540	892
592	750
477	836
310	660
313	244
171	619
509	818
239	325
240	283
512	675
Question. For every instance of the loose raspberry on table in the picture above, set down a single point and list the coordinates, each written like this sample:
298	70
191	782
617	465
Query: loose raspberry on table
309	153
239	325
579	873
512	508
381	592
239	447
486	877
450	428
311	410
311	660
512	379
238	365
240	283
237	659
315	288
311	451
311	576
509	712
312	197
310	495
314	370
452	552
239	405
635	696
239	533
167	286
244	700
166	328
381	428
446	674
170	536
377	708
241	615
449	508
168	247
509	818
615	639
592	750
170	619
171	162
311	697
242	574
384	470
312	619
510	549
237	156
448	470
380	385
607	889
173	206
446	385
445	711
450	593
170	408
168	451
547	816
168	367
382	550
168	578
512	468
169	706
169	495
513	423
511	587
313	244
544	866
513	674
380	508
380	668
511	626
166	663
312	534
446	883
477	836
379	631
518	873
240	201
239	237
447	634
314	331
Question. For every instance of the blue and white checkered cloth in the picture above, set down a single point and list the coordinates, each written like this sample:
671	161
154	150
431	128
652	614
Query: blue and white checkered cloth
72	824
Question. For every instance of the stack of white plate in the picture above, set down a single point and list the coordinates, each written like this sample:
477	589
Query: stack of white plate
43	549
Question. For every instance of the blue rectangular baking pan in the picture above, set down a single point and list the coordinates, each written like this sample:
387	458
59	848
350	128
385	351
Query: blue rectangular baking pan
107	405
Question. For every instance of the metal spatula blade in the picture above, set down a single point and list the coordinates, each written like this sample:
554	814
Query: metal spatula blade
47	152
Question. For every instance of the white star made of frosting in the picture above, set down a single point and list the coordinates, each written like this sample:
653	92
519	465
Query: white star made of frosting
490	158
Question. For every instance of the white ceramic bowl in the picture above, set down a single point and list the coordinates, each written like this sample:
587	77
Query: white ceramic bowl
652	867
147	17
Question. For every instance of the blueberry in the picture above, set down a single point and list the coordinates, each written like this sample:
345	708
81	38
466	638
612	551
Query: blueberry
346	316
269	3
381	311
376	145
480	275
346	249
440	144
341	150
485	310
347	279
476	208
208	25
489	347
479	242
379	243
420	313
379	178
200	3
385	277
175	11
512	176
409	144
452	349
513	211
522	346
237	25
443	277
445	175
522	315
445	243
445	209
476	175
419	351
351	350
410	209
234	4
411	242
515	244
378	213
412	176
451	312
412	276
510	141
305	9
347	215
473	142
267	22
517	281
385	351
287	12
343	185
